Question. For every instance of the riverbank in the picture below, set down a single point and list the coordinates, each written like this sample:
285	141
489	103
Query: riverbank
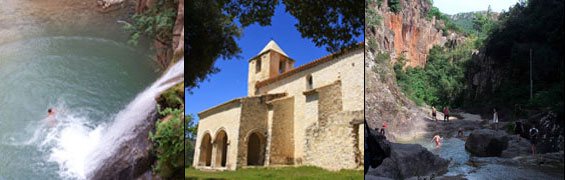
516	163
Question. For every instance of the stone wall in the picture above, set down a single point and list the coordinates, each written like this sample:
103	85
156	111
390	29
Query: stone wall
335	145
254	113
281	132
224	118
347	67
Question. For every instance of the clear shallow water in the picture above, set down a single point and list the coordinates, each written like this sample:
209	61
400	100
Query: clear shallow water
453	149
88	80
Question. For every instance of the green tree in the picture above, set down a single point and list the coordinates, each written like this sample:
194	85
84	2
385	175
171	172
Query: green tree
211	27
191	128
156	23
535	25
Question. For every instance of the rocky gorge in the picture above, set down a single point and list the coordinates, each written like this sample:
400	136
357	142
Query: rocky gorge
405	33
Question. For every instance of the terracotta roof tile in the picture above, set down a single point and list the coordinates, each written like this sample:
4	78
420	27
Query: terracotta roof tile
306	66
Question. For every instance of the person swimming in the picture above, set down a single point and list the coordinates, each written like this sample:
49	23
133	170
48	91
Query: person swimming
437	140
50	119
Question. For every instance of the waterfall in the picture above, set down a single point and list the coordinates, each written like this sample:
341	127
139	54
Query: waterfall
80	150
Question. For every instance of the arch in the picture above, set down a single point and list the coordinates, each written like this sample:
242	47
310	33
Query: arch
205	150
221	143
255	149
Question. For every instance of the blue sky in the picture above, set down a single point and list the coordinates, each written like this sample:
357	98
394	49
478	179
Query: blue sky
457	6
231	81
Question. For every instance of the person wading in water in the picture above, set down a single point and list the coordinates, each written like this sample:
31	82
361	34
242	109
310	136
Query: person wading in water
437	139
446	114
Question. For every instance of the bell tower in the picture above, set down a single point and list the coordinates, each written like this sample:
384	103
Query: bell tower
270	62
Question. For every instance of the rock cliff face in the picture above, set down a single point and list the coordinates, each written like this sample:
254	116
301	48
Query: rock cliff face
484	76
407	33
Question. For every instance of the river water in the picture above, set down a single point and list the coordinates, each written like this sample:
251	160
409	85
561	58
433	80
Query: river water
87	74
453	149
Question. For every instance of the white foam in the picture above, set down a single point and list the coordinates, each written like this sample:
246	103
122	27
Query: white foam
78	149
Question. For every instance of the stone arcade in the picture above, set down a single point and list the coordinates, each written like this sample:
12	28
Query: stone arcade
308	115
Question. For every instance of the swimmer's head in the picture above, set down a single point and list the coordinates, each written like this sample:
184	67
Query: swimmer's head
49	110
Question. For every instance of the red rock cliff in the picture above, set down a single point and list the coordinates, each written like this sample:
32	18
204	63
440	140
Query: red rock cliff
407	32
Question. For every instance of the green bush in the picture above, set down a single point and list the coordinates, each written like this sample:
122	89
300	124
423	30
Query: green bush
371	17
168	142
440	82
190	131
156	23
394	6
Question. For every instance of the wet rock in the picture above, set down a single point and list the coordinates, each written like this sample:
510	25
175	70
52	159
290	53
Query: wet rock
377	148
486	143
407	160
516	146
132	159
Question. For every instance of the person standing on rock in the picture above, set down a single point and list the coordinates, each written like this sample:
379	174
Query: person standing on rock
495	119
518	129
383	129
434	113
533	138
446	114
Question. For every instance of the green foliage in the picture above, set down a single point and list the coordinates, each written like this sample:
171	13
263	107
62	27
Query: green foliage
440	82
188	152
394	6
156	23
211	28
329	23
483	24
449	24
537	25
371	17
169	143
552	98
173	97
191	128
510	128
381	60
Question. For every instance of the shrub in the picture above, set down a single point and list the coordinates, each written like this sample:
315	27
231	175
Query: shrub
394	6
168	142
156	23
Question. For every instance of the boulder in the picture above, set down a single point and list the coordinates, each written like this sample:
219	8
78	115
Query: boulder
486	142
516	146
377	148
131	159
408	160
384	160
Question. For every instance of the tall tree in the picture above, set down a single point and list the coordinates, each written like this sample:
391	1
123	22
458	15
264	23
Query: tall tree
211	27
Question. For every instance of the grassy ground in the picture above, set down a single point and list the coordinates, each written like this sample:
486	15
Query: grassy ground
304	172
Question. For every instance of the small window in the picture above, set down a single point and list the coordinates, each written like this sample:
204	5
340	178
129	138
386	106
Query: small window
258	65
309	82
281	67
